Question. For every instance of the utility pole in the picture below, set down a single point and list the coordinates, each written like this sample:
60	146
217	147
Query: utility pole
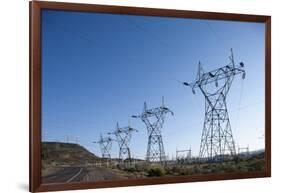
154	120
123	136
217	139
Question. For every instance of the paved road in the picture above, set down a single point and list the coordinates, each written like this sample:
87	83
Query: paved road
80	174
101	174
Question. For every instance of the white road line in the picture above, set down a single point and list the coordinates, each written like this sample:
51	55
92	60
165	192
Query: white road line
74	175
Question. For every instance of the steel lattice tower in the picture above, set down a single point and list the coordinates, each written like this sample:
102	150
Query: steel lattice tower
217	139
123	136
154	120
105	146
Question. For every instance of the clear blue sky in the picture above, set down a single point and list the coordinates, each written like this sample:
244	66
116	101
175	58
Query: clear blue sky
98	69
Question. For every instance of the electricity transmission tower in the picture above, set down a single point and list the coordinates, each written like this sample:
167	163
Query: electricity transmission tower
217	139
105	146
154	120
183	154
123	136
243	151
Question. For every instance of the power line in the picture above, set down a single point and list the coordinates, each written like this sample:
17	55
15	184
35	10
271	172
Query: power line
79	35
142	29
217	35
239	104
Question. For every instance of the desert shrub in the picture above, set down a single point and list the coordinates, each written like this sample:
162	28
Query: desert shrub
256	166
196	170
171	170
130	168
206	171
229	168
140	167
120	166
178	170
185	171
206	167
175	169
156	171
242	168
216	168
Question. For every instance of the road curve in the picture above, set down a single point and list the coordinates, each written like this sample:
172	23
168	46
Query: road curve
79	174
69	174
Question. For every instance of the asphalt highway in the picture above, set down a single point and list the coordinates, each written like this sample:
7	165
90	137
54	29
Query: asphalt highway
80	174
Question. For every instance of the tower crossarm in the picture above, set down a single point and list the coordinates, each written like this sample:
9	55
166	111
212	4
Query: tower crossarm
152	112
216	75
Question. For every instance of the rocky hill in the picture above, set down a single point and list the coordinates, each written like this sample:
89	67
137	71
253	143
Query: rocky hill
59	154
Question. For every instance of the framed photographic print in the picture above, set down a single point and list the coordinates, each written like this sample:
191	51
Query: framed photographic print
124	96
